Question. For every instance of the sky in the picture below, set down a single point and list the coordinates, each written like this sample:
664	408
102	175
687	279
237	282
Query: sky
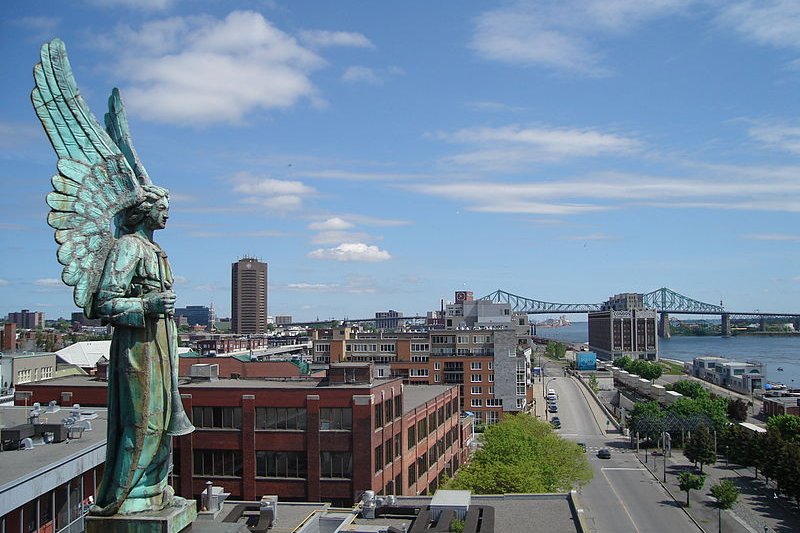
382	155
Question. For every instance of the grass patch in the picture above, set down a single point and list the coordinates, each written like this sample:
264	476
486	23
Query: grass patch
671	368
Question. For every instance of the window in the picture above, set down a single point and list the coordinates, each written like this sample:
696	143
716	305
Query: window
322	348
477	390
336	465
419	347
412	437
491	389
281	464
462	339
475	365
476	402
331	418
388	454
412	473
494	402
440	414
422	464
476	378
379	416
388	410
491	378
217	417
492	417
418	372
432	422
437	366
520	403
490	365
387	348
217	463
280	418
378	457
422	429
398	406
437	378
398	445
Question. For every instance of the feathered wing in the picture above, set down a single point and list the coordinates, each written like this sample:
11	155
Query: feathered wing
117	128
94	180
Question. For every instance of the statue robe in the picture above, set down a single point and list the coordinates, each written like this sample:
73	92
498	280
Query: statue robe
139	380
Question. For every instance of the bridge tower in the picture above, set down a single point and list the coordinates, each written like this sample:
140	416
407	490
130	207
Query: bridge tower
726	325
663	326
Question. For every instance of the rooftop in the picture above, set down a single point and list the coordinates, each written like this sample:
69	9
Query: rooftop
416	395
33	471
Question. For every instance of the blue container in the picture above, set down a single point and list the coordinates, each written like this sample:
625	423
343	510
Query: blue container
586	361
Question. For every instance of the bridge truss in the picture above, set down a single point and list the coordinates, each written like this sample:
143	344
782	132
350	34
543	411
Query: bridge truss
663	300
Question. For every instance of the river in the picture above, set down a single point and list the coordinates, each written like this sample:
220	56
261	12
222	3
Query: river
775	352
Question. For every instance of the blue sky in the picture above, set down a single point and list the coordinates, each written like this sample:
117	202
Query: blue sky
384	154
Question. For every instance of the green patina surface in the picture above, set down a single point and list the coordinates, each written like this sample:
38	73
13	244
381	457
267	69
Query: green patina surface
122	277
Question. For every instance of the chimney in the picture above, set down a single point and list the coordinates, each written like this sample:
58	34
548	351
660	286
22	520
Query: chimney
9	338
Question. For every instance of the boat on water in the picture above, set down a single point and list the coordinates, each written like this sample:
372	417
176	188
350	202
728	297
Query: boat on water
779	369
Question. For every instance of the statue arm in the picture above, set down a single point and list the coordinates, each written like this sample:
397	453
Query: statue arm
113	302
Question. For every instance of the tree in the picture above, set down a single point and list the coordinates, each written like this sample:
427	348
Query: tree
688	481
593	384
787	425
690	388
555	350
700	448
737	410
522	455
726	495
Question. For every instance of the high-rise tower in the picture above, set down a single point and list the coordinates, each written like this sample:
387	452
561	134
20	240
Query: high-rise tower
249	296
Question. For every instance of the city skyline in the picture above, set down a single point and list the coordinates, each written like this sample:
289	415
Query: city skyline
385	156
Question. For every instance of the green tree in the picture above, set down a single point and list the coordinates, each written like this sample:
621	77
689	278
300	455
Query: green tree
700	448
622	362
521	455
688	481
690	388
737	410
726	494
787	425
555	350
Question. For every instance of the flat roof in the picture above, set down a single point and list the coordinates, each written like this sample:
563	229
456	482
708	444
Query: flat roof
36	470
416	395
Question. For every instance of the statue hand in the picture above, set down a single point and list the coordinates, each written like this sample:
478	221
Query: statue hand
158	303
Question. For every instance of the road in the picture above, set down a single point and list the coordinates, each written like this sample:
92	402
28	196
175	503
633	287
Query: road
622	496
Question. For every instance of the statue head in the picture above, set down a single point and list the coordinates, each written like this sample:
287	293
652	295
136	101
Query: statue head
152	209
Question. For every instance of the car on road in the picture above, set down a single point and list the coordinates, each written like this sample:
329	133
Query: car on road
555	422
604	453
553	408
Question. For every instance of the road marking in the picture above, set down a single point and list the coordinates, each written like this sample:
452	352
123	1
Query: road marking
622	468
620	500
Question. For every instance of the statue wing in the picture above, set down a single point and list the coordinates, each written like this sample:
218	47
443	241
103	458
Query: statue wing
94	183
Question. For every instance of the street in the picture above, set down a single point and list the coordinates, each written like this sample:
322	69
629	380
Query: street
623	496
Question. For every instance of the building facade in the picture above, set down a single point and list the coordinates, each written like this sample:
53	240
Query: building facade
19	368
305	441
27	319
745	377
249	296
387	319
624	326
197	315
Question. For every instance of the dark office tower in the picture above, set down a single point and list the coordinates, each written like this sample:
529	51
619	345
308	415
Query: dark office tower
249	296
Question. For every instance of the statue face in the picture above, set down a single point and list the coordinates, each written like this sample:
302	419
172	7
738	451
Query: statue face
159	213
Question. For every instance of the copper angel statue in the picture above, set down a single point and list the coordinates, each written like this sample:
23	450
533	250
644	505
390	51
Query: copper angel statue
123	278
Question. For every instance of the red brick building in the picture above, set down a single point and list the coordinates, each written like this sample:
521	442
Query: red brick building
302	439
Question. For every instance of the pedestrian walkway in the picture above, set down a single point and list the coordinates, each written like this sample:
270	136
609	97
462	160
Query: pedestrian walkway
757	511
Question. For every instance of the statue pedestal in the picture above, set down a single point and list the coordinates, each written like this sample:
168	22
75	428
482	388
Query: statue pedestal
173	519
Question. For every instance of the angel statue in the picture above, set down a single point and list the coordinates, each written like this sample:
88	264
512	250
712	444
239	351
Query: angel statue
123	278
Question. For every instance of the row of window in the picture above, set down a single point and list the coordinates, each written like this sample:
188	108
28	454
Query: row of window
228	463
424	426
425	461
388	451
27	375
290	418
387	411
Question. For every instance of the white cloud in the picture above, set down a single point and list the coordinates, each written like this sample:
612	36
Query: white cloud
562	35
355	251
362	74
322	38
514	147
718	188
48	282
137	4
282	195
323	287
772	237
331	237
767	22
3	282
201	70
331	224
778	136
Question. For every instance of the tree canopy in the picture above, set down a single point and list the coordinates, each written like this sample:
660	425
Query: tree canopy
687	481
700	448
787	425
522	455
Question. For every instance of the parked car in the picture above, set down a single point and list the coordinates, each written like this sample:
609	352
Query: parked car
604	453
555	422
553	408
